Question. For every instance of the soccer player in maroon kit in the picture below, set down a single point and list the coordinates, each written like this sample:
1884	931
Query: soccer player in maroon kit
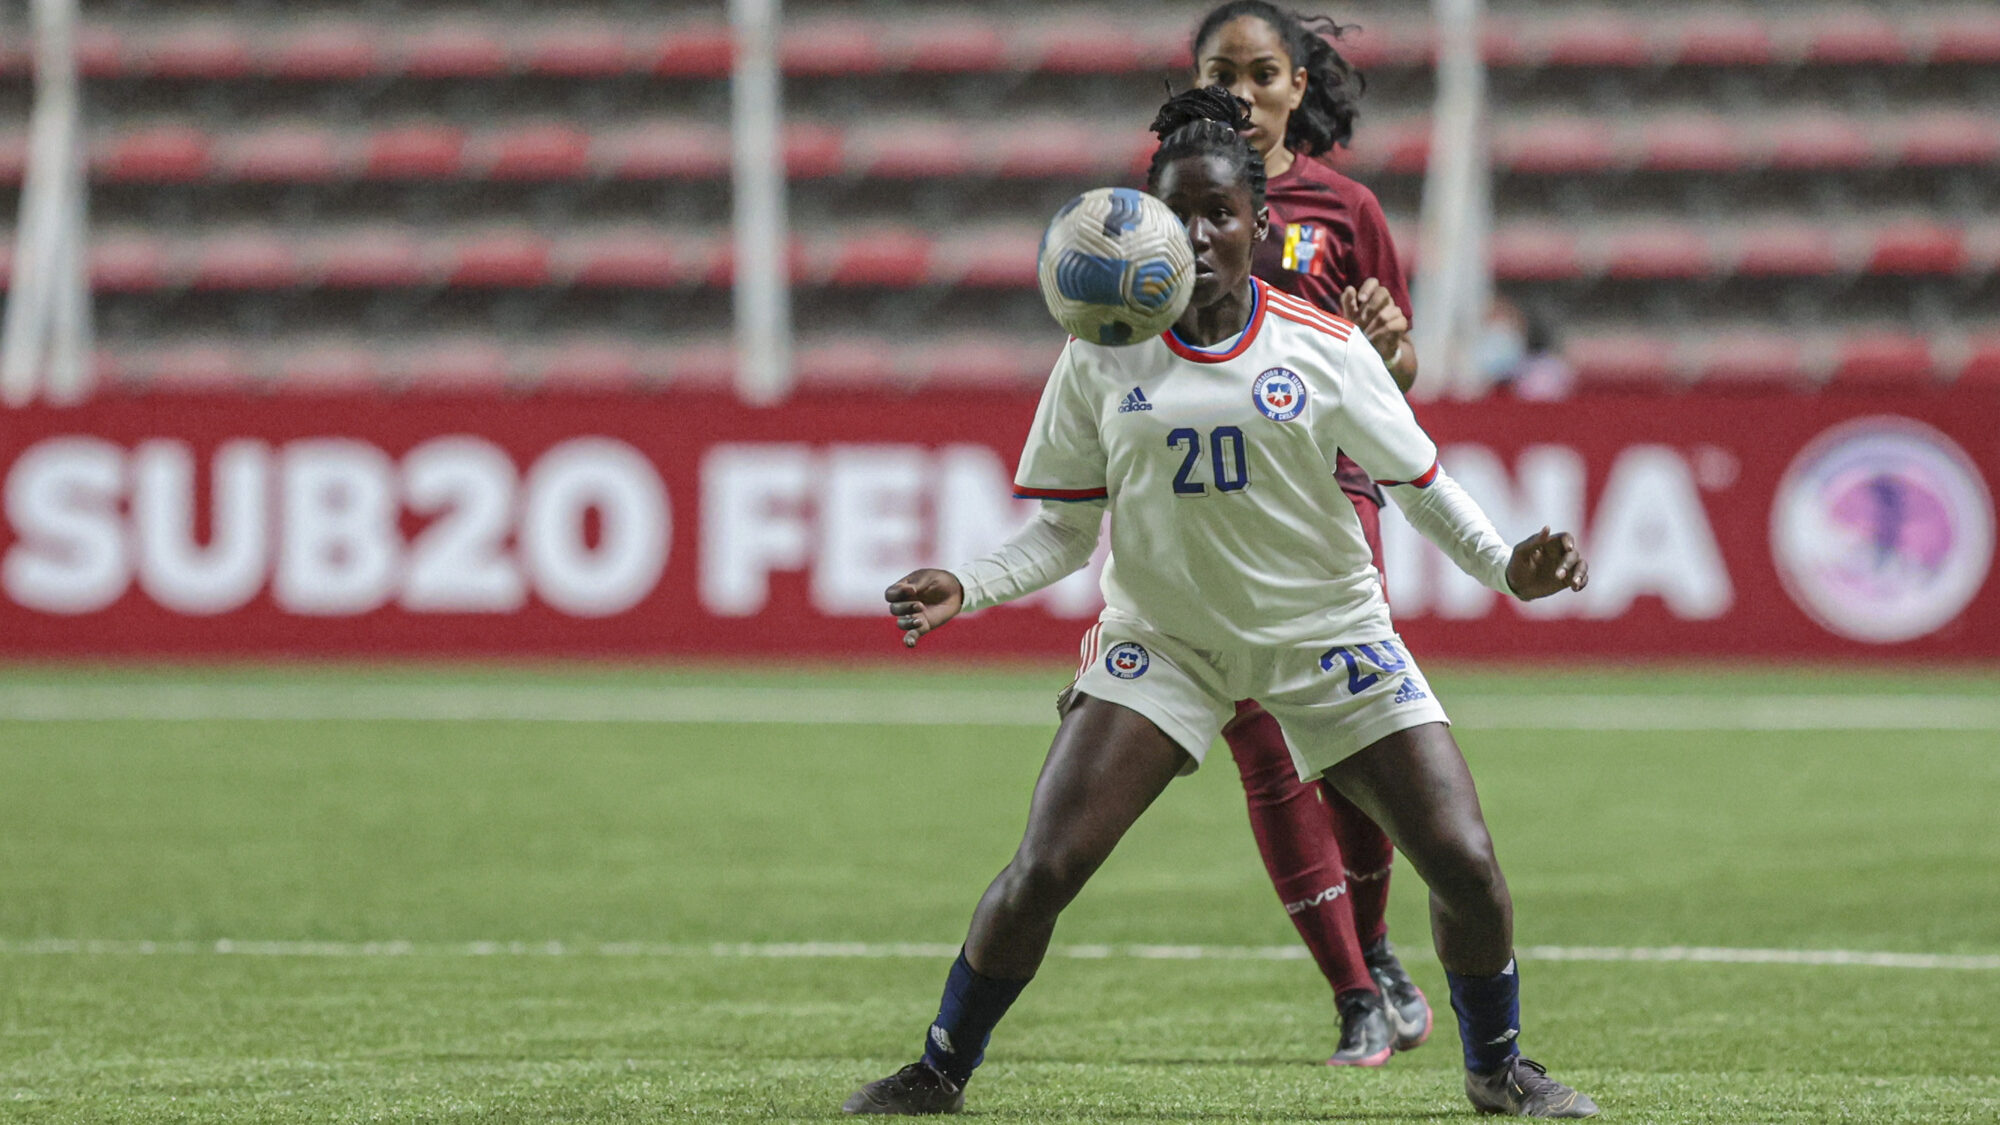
1329	243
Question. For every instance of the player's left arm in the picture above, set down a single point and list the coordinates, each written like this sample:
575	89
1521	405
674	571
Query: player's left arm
1375	426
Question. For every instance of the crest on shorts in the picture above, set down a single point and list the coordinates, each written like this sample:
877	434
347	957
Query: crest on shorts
1279	393
1127	661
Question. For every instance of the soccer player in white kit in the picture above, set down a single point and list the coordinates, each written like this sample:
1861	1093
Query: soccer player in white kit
1238	571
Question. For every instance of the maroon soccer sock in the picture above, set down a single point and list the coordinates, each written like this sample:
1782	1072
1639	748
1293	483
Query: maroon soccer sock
1368	855
1300	851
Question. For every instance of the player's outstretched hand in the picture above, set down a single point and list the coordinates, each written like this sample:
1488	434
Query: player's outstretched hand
924	600
1545	564
1374	312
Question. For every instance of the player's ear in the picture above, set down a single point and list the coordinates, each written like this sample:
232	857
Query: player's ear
1263	223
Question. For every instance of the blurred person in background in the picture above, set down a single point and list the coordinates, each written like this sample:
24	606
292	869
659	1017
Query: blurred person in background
1329	244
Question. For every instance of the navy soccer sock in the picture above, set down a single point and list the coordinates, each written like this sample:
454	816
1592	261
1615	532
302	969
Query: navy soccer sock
1489	1017
972	1006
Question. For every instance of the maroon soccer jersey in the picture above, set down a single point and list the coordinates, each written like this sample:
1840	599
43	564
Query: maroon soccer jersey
1328	233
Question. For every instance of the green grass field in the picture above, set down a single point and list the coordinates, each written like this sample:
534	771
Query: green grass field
666	857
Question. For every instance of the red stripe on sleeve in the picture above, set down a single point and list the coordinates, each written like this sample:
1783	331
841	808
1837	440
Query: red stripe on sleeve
1023	492
1423	481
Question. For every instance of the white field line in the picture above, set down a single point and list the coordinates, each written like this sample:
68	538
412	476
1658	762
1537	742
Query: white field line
931	951
892	706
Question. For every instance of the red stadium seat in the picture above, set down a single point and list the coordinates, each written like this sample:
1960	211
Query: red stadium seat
127	264
1947	140
844	363
325	53
1096	47
100	52
1557	145
170	154
705	364
196	367
1752	360
203	52
812	151
955	47
247	261
886	259
456	365
591	365
1659	252
1692	144
1884	359
632	259
665	151
1000	262
1971	36
1623	361
1534	252
422	152
327	369
578	52
454	52
1820	142
701	51
827	48
1722	39
1788	251
371	259
501	260
1594	41
1856	37
535	152
287	154
1917	248
911	150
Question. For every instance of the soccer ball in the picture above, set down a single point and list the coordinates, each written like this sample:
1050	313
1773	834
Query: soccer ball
1116	267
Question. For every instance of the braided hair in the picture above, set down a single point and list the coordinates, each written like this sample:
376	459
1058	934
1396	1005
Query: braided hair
1208	121
1333	87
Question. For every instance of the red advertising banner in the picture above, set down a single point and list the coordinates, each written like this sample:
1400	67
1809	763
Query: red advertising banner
1719	525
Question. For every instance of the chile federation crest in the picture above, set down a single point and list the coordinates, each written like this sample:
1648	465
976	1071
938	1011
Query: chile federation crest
1127	661
1280	394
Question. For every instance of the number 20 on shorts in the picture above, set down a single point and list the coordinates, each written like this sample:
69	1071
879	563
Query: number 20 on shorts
1381	656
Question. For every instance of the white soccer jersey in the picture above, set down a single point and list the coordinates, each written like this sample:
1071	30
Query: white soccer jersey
1227	527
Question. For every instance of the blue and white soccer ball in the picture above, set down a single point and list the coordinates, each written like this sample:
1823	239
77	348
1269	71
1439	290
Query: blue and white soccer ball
1116	267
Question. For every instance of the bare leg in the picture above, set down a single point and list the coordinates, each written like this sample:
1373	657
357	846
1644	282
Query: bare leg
1415	785
1107	764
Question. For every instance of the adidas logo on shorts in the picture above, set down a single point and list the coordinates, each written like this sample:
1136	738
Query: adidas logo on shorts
1409	692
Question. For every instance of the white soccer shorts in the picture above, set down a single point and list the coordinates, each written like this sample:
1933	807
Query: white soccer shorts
1330	700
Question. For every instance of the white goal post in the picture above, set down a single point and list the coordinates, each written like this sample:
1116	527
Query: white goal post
1454	256
46	337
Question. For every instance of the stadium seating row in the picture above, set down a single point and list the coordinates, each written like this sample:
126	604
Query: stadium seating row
995	257
346	50
934	148
1890	359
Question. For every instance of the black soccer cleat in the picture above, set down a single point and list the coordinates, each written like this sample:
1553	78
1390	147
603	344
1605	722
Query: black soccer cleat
1523	1088
1409	1011
916	1090
1365	1038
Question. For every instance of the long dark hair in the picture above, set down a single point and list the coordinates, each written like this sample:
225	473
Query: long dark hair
1208	121
1333	87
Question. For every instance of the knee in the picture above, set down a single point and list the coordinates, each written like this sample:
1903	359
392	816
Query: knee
1470	881
1044	882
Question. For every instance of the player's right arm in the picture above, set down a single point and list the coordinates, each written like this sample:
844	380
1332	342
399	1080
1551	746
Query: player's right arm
1063	466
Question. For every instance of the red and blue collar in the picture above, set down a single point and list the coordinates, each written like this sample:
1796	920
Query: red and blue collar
1188	351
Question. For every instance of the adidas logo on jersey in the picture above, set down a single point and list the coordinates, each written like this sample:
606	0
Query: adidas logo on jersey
1409	692
1134	401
